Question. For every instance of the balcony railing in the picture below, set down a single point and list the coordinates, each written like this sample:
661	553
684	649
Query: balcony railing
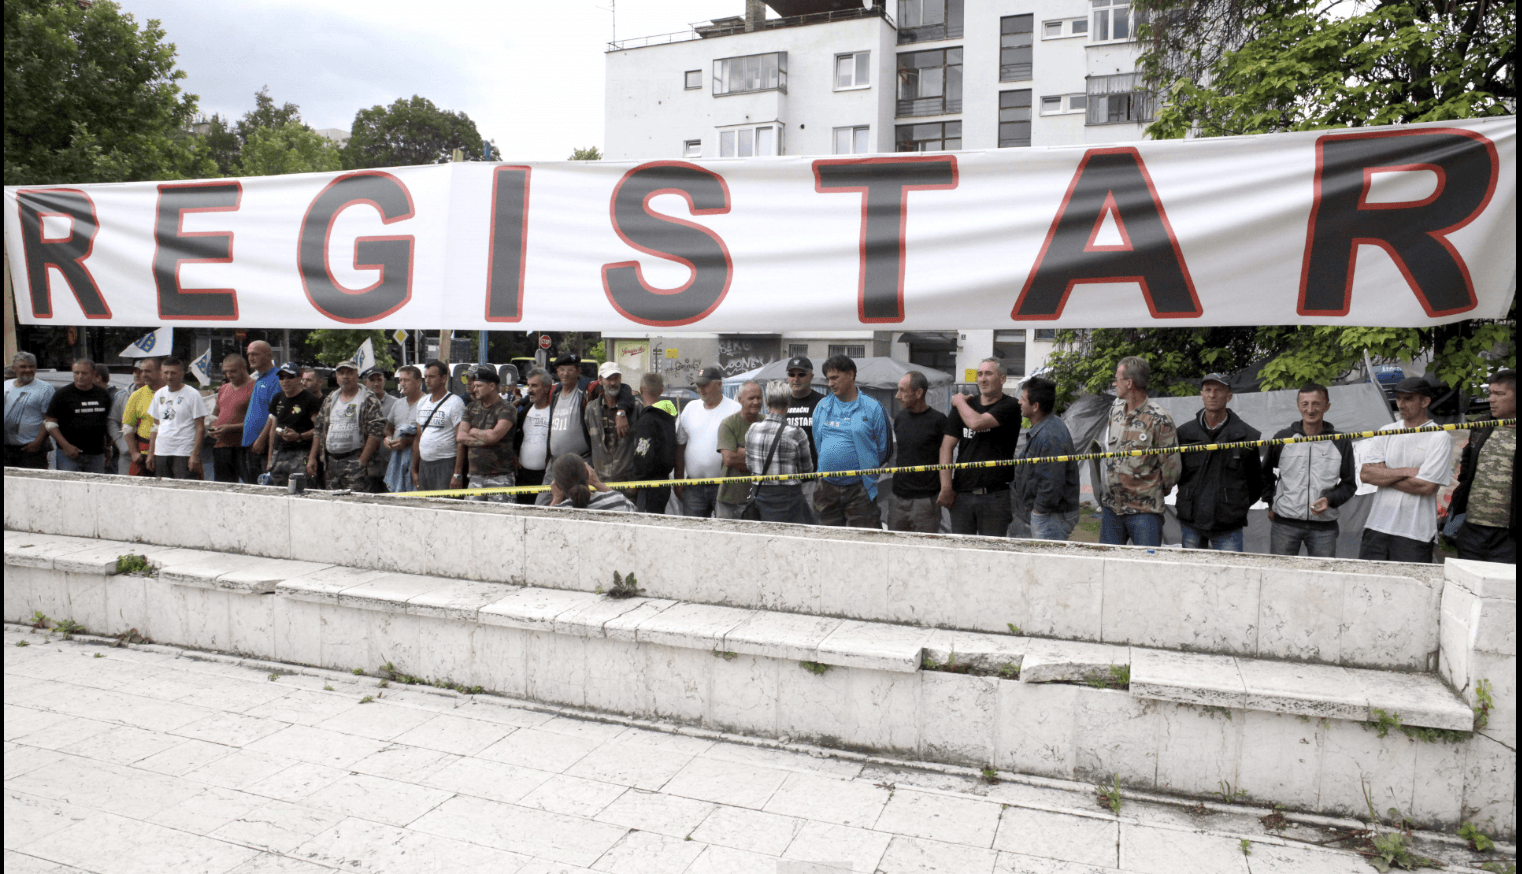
710	32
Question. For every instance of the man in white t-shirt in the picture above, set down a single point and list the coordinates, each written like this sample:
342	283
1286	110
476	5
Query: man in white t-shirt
534	432
1409	469
697	442
437	462
179	416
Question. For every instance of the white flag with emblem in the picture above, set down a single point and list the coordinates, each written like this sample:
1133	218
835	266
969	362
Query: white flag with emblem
201	368
365	357
153	344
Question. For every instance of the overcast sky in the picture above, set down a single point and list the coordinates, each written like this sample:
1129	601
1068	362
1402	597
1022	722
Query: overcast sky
530	74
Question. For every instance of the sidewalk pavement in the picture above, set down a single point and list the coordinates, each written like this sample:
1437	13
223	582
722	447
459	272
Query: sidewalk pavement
162	761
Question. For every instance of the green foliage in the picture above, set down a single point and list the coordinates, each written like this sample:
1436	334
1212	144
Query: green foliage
132	563
389	672
726	655
335	345
1246	846
1109	796
624	586
1118	677
410	131
68	628
590	153
1085	361
1499	867
990	775
1229	793
367	699
92	97
1013	628
814	667
22	643
1487	701
39	620
1476	838
1009	671
288	148
1384	721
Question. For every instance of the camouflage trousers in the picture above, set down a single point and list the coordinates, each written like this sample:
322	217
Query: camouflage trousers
285	463
346	473
501	481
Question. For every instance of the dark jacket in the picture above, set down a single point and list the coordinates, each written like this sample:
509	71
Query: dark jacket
1051	487
1296	476
655	441
1218	486
1467	464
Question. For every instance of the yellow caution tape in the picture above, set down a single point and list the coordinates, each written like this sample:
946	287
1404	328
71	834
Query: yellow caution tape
970	465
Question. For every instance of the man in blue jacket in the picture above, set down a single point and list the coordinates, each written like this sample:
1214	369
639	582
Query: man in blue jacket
1218	485
851	433
1049	491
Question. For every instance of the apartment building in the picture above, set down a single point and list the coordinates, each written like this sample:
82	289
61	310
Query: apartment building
833	77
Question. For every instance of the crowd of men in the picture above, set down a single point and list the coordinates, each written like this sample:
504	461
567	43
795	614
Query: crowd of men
268	424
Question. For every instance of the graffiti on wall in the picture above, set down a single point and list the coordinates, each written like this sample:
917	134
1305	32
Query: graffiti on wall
737	355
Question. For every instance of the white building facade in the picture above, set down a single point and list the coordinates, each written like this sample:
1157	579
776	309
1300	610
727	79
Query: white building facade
828	77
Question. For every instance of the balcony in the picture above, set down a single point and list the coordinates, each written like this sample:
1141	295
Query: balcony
730	26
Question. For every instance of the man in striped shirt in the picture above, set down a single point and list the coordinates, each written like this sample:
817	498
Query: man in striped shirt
772	446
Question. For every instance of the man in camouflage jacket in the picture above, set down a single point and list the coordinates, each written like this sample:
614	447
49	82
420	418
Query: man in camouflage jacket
1135	486
347	432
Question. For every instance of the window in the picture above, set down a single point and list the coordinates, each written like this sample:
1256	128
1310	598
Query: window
693	79
750	73
749	142
1113	21
1064	29
797	350
1119	99
1062	104
921	20
1015	47
853	71
929	83
1009	348
850	351
851	140
934	137
1046	335
1014	119
692	149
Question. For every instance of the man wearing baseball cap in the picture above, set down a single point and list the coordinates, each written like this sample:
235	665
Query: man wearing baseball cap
608	419
1217	486
568	425
697	443
374	379
288	426
1409	470
483	433
347	432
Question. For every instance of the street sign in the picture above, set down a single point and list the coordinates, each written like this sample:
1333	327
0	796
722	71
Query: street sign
544	341
399	335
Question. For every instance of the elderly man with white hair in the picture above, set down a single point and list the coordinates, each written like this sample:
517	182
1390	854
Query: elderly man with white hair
26	403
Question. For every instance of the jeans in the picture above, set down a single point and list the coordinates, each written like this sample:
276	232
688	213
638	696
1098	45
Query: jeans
1053	526
227	463
782	504
1285	539
846	506
84	463
914	514
988	514
1220	541
699	502
652	500
1379	546
1484	543
1142	529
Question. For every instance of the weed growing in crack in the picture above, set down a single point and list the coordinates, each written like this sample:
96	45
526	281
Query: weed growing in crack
1392	849
1274	820
1246	846
813	667
623	586
327	688
130	636
1109	796
1476	838
1499	867
39	620
1385	720
68	628
725	655
1009	671
134	564
274	677
1013	628
1228	794
22	643
1482	692
358	672
1119	677
100	655
990	775
367	699
389	673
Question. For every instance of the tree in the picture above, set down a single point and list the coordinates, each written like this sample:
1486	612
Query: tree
1232	67
408	132
590	153
266	114
333	346
288	148
91	97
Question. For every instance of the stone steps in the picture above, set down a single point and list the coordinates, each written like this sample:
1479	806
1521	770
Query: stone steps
1299	689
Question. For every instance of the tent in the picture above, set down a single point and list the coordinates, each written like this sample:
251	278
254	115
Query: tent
1358	407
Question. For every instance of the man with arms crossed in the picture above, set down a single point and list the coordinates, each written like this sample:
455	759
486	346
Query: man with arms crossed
1409	469
483	434
985	428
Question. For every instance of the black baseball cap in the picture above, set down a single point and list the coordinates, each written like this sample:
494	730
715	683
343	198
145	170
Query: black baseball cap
708	374
485	373
290	368
1415	385
565	359
372	371
800	362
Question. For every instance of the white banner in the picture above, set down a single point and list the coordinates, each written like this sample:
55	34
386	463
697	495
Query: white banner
1408	226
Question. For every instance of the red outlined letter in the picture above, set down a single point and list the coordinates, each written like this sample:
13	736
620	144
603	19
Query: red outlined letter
507	256
1111	182
391	254
173	246
884	185
1414	234
65	254
673	239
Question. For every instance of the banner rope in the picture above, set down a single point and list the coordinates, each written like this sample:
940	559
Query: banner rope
973	465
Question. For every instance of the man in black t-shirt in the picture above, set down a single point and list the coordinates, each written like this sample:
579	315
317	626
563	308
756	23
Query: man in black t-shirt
800	414
917	429
985	428
289	429
76	419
